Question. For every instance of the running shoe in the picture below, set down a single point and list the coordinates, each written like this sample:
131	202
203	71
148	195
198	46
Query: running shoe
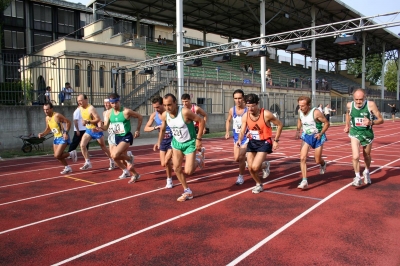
367	178
74	156
129	163
357	181
322	169
134	179
86	166
188	195
112	166
200	161
303	184
125	174
240	180
169	183
66	170
257	189
202	153
266	170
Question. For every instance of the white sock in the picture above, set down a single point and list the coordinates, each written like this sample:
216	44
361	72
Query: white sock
87	160
358	175
366	170
111	160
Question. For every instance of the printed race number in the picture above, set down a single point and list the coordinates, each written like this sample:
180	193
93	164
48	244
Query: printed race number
359	122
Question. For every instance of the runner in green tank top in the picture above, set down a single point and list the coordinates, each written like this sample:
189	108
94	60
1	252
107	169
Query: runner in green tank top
185	142
117	121
359	126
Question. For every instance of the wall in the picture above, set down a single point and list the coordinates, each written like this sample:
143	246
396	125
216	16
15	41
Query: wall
25	120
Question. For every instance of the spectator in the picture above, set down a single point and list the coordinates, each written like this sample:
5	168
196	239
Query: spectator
250	68
393	110
268	76
327	112
159	39
242	67
292	82
245	68
320	108
47	94
164	42
67	94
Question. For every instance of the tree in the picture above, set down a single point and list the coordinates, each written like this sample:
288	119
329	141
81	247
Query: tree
373	67
391	75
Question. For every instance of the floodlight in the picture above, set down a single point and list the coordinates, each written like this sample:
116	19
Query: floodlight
222	58
296	47
344	40
147	71
168	67
194	63
257	53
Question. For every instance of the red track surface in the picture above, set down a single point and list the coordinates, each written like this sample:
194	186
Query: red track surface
91	217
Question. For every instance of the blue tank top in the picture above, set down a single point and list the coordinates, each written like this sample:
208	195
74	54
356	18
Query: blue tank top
237	123
158	121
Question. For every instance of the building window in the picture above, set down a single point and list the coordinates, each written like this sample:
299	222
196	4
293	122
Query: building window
14	39
40	40
77	76
65	21
85	19
89	76
101	77
205	104
15	9
42	17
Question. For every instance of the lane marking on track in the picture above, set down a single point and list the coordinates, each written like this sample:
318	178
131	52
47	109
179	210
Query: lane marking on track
291	195
283	228
78	179
198	209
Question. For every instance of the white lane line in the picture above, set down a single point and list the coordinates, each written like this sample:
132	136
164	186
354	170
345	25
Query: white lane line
283	228
188	213
291	195
106	203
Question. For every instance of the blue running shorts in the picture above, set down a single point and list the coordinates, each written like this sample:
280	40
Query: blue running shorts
94	135
312	141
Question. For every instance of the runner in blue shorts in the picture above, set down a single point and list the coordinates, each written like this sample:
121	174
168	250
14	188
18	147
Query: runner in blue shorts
235	114
90	119
185	141
59	126
313	136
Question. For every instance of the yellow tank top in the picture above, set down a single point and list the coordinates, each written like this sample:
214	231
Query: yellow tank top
55	127
87	116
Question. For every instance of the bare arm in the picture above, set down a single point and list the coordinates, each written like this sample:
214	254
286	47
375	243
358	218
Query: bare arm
46	130
203	113
321	118
106	124
63	120
94	115
163	126
149	125
228	123
242	130
298	128
268	116
139	117
347	125
372	106
189	116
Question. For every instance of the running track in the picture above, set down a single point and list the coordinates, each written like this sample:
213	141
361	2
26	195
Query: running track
93	218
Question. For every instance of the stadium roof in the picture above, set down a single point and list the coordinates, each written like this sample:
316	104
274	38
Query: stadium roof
239	19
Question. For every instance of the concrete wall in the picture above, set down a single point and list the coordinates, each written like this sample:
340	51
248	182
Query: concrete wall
25	120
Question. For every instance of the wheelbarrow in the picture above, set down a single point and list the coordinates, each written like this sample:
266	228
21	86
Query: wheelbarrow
31	141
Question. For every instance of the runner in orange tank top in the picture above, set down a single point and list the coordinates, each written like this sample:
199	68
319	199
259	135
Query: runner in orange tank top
258	122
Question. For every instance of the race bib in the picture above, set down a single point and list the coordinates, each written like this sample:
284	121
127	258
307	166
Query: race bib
167	135
254	134
359	122
237	128
54	130
118	128
176	132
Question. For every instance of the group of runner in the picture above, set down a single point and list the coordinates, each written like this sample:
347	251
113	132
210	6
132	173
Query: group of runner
181	129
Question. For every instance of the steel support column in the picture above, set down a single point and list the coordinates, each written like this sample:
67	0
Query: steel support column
179	46
263	59
364	35
313	59
383	71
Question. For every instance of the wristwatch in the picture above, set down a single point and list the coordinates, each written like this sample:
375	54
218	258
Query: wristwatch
276	140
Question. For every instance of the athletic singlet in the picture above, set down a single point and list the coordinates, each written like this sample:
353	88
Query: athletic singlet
357	116
55	127
118	123
87	116
310	126
181	130
193	108
158	121
237	122
259	129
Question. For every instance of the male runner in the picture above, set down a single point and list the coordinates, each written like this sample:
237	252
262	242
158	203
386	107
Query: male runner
184	143
311	120
165	147
186	102
258	122
359	124
59	125
117	119
90	119
236	113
